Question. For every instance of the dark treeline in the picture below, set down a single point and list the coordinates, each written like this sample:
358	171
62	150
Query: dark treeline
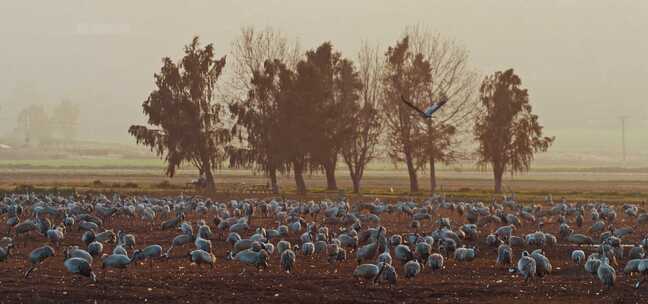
281	110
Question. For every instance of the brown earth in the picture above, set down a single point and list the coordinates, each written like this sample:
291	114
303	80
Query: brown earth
178	281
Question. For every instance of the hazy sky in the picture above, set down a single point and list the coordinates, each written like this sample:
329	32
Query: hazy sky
584	62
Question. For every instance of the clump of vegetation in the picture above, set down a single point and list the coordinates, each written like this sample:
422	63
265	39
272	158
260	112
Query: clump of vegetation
97	183
131	185
164	185
24	189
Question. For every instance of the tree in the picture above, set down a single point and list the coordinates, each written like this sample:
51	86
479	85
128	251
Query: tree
422	67
452	79
409	75
332	94
508	133
437	145
365	125
258	117
295	110
315	99
253	86
65	120
34	123
250	51
184	120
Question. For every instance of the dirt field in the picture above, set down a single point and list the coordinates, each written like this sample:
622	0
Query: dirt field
176	280
533	186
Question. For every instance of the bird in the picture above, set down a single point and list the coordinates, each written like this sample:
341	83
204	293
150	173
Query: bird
643	269
526	266
257	259
282	246
37	256
150	253
435	106
606	273
504	255
95	249
5	251
368	272
578	256
118	261
464	254
387	274
287	260
543	265
76	252
200	257
81	267
412	268
592	264
435	262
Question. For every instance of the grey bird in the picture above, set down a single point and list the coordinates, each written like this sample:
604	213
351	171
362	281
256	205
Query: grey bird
435	106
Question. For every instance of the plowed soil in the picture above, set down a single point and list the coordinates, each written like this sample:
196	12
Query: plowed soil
176	280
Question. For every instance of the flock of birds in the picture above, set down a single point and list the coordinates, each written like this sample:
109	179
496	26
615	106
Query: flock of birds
336	231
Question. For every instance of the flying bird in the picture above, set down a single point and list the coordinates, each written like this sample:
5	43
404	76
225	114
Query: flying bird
435	106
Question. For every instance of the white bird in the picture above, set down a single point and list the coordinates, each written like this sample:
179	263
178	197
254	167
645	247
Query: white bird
435	106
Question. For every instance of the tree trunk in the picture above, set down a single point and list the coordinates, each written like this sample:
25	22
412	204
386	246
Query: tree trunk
329	169
273	181
356	184
211	185
433	182
498	172
411	169
298	170
355	173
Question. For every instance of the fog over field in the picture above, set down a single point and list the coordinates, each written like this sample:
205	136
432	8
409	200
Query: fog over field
584	63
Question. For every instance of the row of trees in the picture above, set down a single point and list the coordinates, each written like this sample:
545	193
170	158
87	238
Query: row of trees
282	110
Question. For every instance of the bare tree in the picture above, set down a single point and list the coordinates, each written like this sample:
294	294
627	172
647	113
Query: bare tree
509	134
450	77
407	75
250	51
360	147
423	67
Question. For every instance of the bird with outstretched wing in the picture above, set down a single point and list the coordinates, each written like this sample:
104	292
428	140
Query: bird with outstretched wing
435	106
